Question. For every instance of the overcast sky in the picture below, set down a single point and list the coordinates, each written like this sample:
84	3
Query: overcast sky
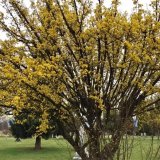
126	5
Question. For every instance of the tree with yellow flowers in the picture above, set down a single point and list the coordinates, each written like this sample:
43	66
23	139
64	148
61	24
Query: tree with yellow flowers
84	64
150	121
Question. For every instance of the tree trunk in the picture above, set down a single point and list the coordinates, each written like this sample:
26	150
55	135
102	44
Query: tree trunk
38	143
94	148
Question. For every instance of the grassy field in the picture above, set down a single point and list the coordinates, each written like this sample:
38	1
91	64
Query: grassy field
58	149
143	148
52	149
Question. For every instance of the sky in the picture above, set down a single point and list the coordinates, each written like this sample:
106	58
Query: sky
126	5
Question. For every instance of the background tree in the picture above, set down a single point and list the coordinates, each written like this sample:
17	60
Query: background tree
84	64
30	117
150	121
24	125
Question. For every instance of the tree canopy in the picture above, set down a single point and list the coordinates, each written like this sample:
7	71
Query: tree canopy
82	65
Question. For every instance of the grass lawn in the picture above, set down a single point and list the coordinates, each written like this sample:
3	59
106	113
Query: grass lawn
139	148
145	148
58	149
52	149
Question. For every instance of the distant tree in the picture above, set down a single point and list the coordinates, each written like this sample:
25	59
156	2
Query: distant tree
18	130
82	65
25	126
150	121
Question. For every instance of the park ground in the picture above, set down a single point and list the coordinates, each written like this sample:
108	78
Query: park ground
59	149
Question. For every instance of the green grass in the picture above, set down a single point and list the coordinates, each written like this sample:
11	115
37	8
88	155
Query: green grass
146	148
139	148
58	149
52	149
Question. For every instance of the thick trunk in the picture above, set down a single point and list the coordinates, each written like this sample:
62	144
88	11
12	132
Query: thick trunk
38	143
158	134
110	151
98	155
95	151
94	148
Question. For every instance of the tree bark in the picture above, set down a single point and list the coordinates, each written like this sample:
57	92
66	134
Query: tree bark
158	134
38	143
